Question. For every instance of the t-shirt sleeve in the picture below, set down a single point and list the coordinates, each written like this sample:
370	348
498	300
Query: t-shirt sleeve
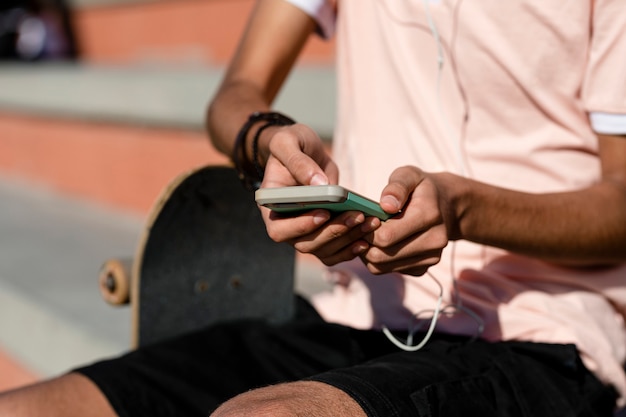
608	123
604	87
323	11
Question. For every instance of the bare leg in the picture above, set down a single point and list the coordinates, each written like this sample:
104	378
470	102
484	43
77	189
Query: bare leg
69	395
291	400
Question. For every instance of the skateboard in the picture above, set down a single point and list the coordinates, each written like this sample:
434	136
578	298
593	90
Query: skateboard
203	257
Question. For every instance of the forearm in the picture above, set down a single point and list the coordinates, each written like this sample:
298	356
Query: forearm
585	227
275	35
229	110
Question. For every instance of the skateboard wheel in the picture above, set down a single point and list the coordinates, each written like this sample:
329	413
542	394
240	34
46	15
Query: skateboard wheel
114	281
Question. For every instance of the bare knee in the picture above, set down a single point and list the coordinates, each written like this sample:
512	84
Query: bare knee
312	399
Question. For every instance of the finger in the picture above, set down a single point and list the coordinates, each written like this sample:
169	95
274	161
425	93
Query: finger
433	240
415	266
337	234
412	256
401	184
301	152
277	175
281	228
346	242
345	254
415	220
416	270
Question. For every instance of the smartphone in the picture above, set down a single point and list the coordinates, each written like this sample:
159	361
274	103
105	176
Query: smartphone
301	198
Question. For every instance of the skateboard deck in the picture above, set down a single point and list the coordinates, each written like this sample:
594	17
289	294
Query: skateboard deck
204	257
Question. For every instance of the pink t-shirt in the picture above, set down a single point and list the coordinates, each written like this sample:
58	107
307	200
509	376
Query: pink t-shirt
522	87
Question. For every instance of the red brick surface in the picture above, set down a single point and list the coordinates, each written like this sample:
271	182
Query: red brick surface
197	31
118	165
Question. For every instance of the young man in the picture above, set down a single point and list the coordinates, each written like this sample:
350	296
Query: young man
494	132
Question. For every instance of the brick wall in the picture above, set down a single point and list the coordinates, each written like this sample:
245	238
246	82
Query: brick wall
117	165
172	31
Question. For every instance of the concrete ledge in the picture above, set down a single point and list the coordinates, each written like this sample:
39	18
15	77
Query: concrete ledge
168	97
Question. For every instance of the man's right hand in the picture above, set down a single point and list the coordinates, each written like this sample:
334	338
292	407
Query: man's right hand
298	157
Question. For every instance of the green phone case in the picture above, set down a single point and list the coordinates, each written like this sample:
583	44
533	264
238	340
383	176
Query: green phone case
303	198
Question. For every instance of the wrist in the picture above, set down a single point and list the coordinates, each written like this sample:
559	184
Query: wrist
263	142
251	151
454	195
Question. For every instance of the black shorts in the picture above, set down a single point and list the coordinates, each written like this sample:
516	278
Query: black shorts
450	376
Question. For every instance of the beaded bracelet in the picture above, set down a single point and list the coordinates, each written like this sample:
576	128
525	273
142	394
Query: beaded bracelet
250	170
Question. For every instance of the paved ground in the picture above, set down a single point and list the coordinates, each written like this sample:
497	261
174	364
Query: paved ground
52	316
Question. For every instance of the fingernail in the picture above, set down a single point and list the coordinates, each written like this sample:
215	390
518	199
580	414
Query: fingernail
319	179
319	218
371	225
392	201
359	248
354	220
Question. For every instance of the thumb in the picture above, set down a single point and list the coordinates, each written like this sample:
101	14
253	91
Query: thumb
401	184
